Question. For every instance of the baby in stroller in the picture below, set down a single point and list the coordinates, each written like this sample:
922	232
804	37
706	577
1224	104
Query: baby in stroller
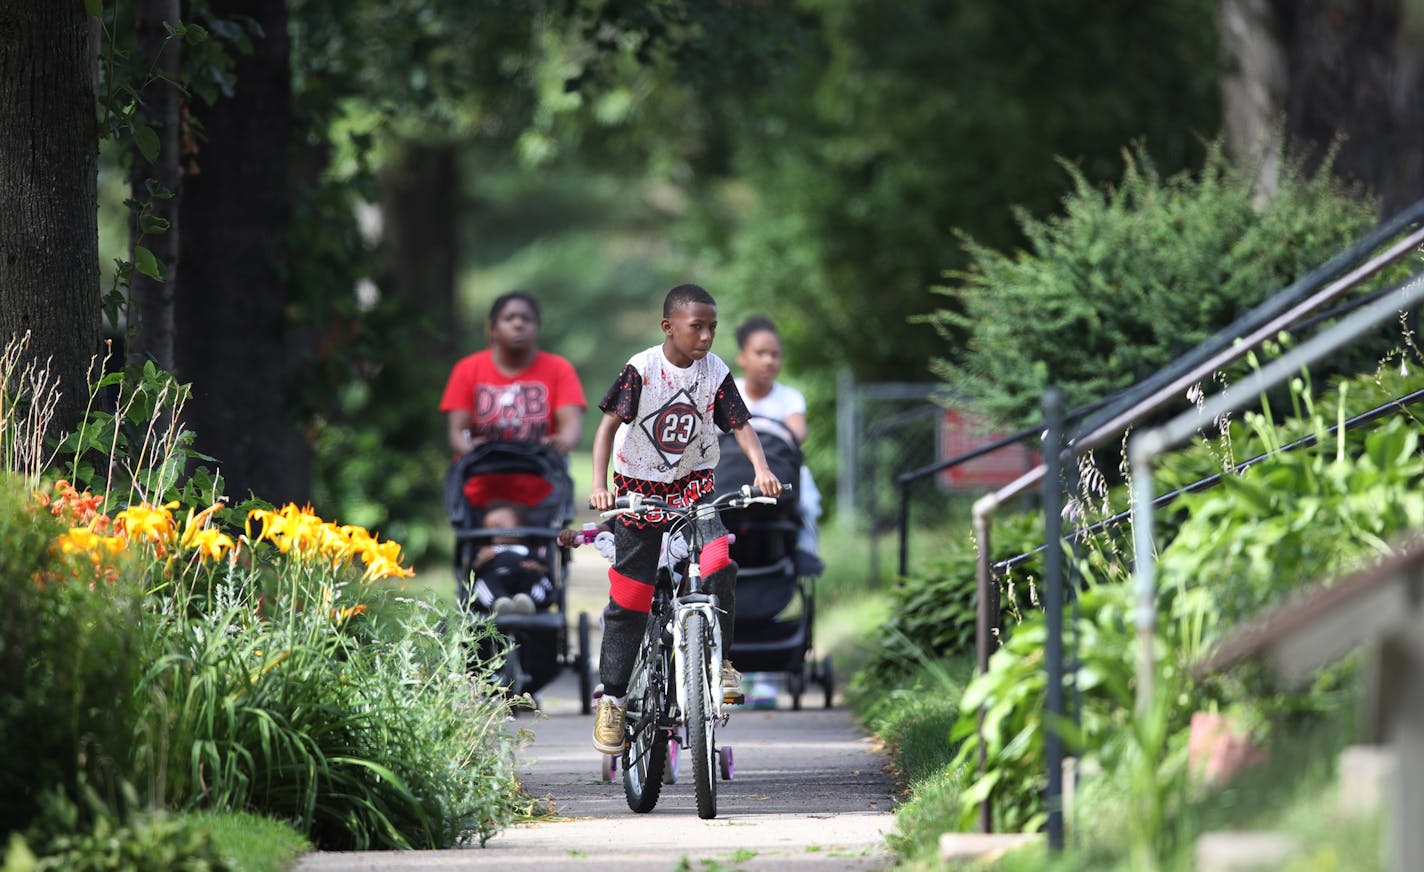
510	578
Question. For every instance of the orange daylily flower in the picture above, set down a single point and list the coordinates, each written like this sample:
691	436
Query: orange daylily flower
346	613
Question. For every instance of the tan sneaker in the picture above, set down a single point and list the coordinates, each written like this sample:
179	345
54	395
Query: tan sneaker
731	684
608	733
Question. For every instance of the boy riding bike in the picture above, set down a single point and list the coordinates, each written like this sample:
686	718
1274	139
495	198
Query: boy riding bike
658	428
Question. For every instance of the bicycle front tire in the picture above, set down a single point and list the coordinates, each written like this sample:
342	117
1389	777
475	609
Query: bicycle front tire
701	711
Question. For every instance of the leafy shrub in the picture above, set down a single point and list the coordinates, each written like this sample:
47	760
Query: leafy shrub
216	666
73	645
92	836
1011	694
277	697
266	689
1127	278
1304	515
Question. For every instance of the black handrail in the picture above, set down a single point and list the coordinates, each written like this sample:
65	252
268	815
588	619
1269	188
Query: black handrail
905	479
1082	533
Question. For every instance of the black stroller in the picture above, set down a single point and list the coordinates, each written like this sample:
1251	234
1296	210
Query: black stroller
776	603
535	478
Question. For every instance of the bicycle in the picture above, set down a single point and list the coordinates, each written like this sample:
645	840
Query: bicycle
676	683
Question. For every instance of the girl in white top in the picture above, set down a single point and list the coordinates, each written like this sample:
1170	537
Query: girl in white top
759	354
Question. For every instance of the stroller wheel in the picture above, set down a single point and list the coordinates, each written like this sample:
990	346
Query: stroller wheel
796	684
510	675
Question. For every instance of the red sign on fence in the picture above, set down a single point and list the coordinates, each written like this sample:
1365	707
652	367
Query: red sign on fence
961	432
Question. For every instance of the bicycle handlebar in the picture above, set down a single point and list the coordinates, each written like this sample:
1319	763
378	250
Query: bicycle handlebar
747	495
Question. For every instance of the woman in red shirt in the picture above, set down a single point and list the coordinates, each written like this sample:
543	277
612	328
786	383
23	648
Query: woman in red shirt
512	390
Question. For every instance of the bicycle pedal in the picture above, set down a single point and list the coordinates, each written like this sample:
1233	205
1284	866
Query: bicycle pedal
733	698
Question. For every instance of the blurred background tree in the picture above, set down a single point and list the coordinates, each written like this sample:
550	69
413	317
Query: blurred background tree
817	160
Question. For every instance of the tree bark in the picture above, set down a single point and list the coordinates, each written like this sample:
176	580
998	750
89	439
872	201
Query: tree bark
1328	68
49	245
151	300
418	207
231	341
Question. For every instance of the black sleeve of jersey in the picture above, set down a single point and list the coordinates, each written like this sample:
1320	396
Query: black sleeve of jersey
729	410
622	399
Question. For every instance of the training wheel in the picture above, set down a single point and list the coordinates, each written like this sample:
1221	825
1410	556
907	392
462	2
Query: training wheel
724	755
609	767
674	757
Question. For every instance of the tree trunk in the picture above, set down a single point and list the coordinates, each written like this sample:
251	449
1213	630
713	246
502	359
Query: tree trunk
49	159
231	314
1332	67
151	301
418	209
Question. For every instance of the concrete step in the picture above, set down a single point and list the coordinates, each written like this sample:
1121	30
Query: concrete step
963	847
1366	777
1240	851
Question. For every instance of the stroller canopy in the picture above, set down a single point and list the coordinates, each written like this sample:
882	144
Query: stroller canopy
529	474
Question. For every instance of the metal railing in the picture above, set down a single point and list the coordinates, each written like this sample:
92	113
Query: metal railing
1290	307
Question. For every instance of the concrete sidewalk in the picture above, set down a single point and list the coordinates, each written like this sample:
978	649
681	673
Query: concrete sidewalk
810	791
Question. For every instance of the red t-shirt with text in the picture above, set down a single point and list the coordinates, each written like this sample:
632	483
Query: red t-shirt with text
519	407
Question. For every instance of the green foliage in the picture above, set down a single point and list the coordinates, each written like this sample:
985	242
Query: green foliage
1327	511
913	717
897	123
1136	274
72	653
280	677
131	446
933	613
1296	517
364	742
252	843
1011	695
90	836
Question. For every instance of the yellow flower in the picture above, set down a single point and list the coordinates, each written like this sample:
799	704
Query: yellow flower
145	521
270	665
208	541
78	540
289	528
380	567
83	540
299	531
211	544
333	542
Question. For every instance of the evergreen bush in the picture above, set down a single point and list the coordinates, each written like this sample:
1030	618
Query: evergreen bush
1129	277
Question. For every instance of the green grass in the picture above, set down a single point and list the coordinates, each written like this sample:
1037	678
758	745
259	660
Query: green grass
252	843
914	721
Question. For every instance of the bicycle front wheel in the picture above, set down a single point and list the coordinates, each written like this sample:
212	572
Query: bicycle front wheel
701	711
